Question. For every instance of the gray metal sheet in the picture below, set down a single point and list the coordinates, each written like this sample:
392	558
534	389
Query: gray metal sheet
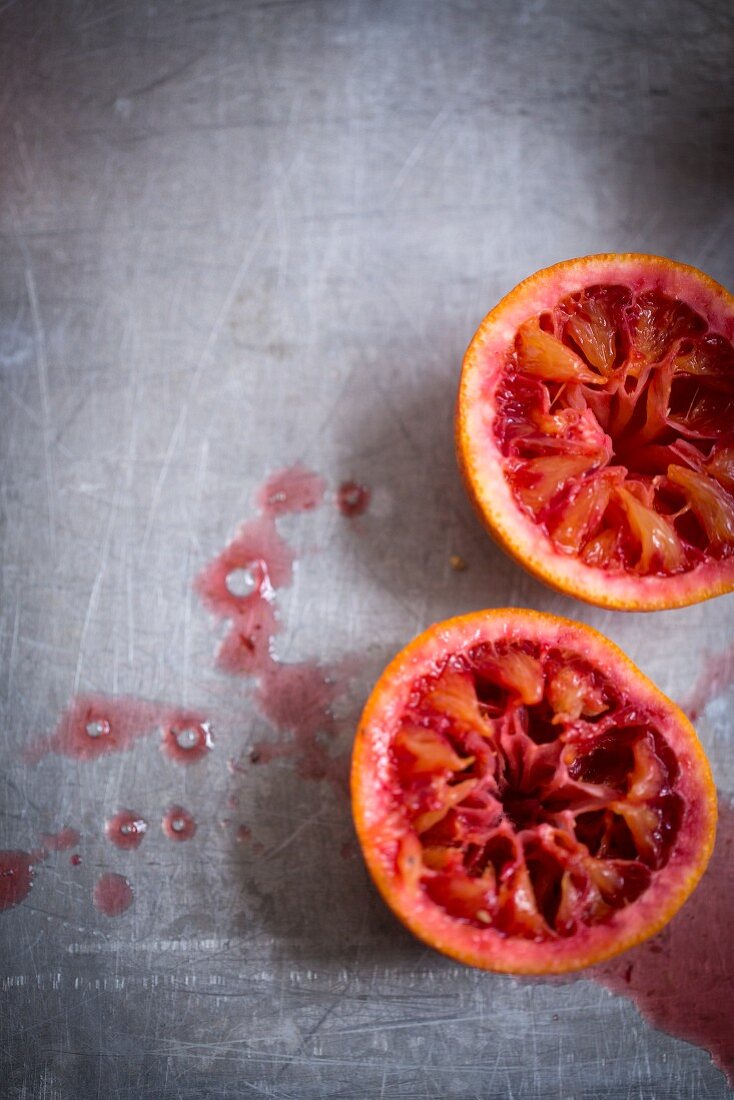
235	236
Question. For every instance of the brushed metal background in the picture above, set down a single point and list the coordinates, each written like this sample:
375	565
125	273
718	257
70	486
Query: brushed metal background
234	236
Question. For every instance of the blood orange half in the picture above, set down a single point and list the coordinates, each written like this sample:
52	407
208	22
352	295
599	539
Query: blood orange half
526	800
595	430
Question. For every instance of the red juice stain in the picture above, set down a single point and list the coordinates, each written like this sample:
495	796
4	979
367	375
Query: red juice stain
16	876
682	980
61	841
252	565
113	894
178	824
297	699
246	649
239	585
352	499
243	834
294	489
126	829
98	725
186	737
714	678
75	860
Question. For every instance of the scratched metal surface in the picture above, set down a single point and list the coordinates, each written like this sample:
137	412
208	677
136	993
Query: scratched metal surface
236	235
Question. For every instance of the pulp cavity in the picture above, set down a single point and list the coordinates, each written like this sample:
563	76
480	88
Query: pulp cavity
539	798
615	416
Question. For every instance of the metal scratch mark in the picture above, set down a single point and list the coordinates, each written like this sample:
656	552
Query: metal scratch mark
201	365
42	369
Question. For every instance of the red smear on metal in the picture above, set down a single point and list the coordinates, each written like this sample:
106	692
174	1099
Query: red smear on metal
294	489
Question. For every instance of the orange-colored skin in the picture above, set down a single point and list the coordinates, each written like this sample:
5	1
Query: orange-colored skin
388	884
492	516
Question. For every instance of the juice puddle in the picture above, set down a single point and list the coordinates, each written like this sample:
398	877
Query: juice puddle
682	980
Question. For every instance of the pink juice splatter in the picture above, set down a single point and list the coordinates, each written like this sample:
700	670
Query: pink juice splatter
353	499
682	980
98	725
295	489
240	585
253	564
246	649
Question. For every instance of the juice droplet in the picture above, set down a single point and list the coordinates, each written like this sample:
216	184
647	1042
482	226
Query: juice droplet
99	728
126	829
352	499
257	549
75	860
186	738
178	824
241	582
113	894
243	834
